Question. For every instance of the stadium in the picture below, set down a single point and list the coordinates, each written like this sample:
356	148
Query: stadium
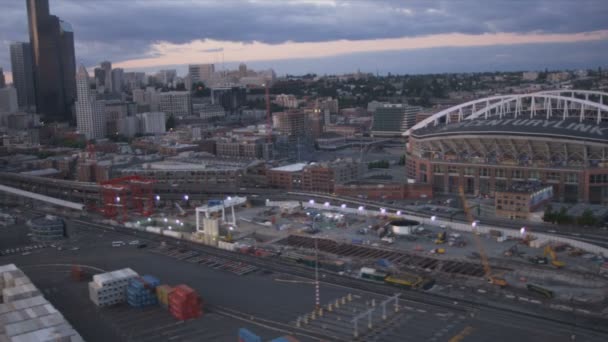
557	137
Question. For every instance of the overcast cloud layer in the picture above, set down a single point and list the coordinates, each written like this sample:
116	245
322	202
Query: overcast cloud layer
126	30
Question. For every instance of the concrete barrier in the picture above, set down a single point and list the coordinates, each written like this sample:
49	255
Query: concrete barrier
172	233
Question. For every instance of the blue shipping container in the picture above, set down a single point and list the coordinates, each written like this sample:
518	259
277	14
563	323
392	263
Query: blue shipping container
245	335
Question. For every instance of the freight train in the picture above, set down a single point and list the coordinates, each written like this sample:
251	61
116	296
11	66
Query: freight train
401	279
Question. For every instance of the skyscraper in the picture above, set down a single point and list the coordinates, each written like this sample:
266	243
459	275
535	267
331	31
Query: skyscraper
117	80
90	115
52	42
2	81
201	73
106	66
23	74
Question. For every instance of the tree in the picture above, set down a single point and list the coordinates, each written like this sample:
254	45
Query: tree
549	215
402	160
562	216
587	218
170	122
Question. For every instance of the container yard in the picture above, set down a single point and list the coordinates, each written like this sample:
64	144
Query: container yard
25	315
257	251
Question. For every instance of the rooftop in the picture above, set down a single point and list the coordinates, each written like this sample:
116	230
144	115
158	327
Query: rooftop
291	167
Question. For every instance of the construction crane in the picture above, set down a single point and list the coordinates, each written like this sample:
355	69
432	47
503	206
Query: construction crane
268	115
492	279
549	251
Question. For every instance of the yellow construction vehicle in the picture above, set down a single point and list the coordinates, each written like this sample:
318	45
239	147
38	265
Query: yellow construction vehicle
556	263
492	279
441	238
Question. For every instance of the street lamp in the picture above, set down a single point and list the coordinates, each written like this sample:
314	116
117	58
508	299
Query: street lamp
382	211
343	206
433	218
523	232
117	199
170	228
149	219
166	220
311	201
186	197
157	198
398	212
326	204
229	198
361	208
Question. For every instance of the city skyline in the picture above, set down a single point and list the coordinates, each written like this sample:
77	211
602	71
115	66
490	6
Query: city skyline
329	36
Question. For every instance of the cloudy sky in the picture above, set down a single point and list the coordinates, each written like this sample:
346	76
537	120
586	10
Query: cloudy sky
329	36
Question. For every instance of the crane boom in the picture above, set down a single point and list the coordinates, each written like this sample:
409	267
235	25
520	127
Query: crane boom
482	253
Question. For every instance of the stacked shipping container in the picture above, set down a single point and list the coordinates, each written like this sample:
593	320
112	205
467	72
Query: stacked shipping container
110	288
162	293
185	303
142	291
25	315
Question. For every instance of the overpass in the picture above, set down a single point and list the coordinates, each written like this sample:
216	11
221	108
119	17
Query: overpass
42	198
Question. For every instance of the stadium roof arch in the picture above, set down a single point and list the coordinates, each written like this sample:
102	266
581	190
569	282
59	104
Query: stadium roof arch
551	104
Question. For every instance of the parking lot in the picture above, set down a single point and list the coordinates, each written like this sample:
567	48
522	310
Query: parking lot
217	263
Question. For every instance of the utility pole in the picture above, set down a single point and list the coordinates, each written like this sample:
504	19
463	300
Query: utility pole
317	290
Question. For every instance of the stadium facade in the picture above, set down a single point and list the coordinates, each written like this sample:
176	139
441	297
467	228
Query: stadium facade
558	138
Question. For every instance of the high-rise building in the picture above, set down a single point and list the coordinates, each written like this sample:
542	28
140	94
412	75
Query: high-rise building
107	73
52	42
201	73
167	76
90	115
152	122
100	79
8	100
23	74
394	119
117	80
2	80
231	98
242	70
176	103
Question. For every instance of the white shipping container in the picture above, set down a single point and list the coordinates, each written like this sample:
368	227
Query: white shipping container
22	304
155	230
171	233
38	323
19	292
26	314
57	333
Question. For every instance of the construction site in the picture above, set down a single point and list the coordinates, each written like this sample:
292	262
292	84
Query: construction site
391	247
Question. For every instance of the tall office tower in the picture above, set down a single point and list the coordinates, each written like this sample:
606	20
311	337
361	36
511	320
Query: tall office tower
23	74
52	42
201	73
118	75
394	119
100	79
90	115
167	77
107	73
2	80
242	70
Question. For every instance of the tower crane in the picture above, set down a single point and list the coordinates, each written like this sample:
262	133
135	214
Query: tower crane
492	279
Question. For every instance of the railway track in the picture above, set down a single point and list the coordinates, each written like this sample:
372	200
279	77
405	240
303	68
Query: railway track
466	306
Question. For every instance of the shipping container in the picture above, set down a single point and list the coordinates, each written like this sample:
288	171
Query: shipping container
185	303
245	335
141	291
162	293
372	274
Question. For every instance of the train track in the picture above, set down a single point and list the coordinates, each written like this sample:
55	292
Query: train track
431	299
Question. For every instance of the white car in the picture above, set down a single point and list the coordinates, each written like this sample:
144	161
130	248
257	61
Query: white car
134	242
118	243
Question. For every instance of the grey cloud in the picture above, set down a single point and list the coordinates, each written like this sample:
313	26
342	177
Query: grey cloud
119	30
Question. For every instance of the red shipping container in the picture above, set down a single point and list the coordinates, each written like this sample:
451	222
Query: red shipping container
185	303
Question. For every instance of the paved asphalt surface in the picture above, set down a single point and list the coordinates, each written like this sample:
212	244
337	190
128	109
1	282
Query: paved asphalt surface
233	301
